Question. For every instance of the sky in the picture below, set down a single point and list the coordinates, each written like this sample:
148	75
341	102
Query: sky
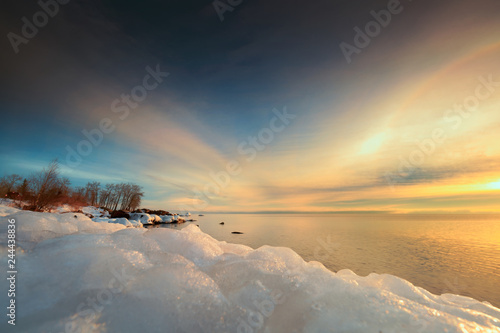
259	106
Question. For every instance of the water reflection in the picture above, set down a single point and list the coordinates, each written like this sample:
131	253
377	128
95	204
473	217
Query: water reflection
457	254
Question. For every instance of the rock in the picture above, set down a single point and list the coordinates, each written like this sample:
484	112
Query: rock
158	212
222	223
237	233
119	214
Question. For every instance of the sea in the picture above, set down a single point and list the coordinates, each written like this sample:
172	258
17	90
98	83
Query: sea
443	253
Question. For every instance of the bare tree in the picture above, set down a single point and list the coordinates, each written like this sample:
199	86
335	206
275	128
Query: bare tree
132	198
8	183
23	189
105	195
92	192
45	185
45	188
125	196
136	201
78	194
64	187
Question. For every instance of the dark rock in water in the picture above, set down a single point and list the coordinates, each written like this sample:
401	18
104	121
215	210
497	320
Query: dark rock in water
152	212
222	223
76	216
201	215
119	214
191	220
158	212
237	233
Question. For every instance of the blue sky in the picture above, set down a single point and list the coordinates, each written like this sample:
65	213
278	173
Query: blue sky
353	121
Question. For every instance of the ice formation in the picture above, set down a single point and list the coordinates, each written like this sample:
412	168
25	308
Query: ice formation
120	220
94	211
77	275
143	218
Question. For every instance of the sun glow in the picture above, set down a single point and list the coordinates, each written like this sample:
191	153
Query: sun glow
493	186
372	144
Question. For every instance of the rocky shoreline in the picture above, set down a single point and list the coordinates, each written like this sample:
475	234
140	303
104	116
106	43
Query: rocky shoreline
136	218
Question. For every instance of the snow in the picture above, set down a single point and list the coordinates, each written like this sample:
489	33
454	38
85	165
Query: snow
7	210
142	217
166	218
96	212
156	218
121	220
64	209
78	275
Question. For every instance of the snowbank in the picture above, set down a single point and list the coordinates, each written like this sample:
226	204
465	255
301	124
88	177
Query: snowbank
77	275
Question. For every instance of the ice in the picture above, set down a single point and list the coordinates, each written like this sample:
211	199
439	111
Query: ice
96	212
34	227
78	275
120	220
156	218
166	218
142	217
64	209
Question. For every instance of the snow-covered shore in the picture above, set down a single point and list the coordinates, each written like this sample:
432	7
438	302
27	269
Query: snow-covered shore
78	275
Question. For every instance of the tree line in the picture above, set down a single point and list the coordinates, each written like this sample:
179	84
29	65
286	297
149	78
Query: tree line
46	189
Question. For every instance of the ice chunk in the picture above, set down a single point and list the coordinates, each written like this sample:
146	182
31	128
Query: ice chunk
166	218
156	218
142	217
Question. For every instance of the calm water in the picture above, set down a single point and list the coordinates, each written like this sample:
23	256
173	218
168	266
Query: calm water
457	254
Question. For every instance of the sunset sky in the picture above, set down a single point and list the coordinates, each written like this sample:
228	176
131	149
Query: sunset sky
410	124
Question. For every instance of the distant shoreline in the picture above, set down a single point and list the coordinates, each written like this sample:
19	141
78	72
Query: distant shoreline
356	212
